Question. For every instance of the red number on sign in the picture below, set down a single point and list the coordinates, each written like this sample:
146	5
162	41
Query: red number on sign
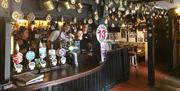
99	32
102	34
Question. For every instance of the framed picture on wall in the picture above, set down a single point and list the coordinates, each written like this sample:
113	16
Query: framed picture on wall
123	33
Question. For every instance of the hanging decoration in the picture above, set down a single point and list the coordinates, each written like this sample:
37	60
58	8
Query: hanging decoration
16	15
5	4
67	5
31	16
49	5
17	1
48	18
59	8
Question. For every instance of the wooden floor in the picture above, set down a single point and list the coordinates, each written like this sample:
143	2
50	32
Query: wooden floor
138	80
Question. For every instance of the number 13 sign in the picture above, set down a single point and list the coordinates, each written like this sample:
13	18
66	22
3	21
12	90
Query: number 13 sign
101	33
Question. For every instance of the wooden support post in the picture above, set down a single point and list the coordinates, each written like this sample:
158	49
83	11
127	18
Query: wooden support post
151	56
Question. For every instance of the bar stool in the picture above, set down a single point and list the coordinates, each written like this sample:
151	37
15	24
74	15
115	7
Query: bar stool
133	58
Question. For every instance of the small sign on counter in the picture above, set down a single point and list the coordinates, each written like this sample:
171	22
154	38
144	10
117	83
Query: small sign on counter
101	35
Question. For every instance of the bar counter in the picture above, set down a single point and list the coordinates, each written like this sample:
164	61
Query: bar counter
89	75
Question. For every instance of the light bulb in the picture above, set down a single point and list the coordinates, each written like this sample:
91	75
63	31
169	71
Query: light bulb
97	1
127	12
48	18
73	1
96	12
116	19
90	21
125	3
67	5
62	18
106	21
113	9
131	5
123	25
121	3
96	17
79	10
85	21
110	11
112	25
75	20
17	47
119	15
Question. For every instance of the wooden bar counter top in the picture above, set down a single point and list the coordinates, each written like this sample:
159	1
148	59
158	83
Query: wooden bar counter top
89	75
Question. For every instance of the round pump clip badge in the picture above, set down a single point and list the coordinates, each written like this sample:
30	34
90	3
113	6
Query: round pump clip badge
30	55
62	52
18	68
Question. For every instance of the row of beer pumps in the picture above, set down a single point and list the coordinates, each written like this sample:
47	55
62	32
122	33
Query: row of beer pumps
33	62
